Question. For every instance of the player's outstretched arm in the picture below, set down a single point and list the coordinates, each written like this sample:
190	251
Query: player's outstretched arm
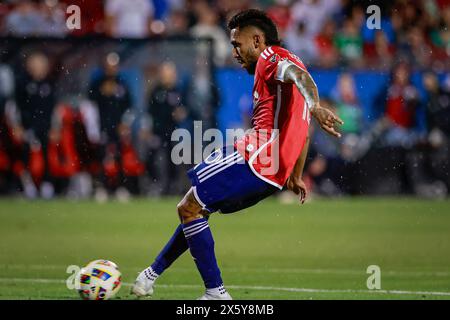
308	88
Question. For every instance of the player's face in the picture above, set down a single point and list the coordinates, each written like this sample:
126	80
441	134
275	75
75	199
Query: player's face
244	50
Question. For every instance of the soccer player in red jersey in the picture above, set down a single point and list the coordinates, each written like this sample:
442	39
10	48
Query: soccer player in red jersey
269	157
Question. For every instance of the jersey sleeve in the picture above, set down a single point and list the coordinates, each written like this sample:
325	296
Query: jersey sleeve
286	61
275	64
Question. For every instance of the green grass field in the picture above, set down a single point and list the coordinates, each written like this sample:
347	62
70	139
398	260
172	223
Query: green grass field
272	251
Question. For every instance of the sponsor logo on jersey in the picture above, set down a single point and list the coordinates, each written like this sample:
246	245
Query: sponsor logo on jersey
274	58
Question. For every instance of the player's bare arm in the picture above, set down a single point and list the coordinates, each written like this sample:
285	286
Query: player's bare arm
308	88
295	182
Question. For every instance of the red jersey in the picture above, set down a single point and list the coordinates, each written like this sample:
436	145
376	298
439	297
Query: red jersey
280	119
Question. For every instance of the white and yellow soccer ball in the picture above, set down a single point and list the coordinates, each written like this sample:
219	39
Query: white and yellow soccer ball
99	280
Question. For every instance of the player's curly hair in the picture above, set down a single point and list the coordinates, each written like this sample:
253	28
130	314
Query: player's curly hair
259	19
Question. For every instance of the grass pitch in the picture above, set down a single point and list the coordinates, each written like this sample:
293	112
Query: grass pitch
320	250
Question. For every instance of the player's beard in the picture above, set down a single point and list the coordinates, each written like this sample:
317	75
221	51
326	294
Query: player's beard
252	59
251	69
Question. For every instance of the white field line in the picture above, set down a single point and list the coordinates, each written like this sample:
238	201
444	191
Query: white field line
259	288
256	270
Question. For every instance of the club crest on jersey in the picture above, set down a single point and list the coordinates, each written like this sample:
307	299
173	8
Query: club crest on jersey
214	157
274	58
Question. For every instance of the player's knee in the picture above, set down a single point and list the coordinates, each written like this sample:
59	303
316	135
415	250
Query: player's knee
189	209
185	211
180	210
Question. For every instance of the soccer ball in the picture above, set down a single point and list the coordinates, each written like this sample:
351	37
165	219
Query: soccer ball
99	280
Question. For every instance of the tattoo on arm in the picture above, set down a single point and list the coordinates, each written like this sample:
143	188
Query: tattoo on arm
304	82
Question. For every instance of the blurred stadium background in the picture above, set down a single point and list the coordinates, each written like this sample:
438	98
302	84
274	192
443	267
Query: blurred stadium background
91	112
88	114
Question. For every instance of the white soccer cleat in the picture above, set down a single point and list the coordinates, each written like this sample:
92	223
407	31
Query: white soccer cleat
207	296
143	286
219	293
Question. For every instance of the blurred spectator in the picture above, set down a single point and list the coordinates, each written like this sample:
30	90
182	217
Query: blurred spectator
178	23
207	27
417	49
63	160
349	43
324	41
301	43
437	104
35	98
167	110
53	19
129	18
313	13
402	101
112	97
427	164
280	13
86	128
14	171
358	136
24	20
358	17
347	105
30	18
438	123
380	53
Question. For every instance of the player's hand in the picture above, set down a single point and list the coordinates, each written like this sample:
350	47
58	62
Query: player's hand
327	120
297	186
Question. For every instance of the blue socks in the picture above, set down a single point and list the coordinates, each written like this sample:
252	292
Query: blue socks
176	246
197	236
201	244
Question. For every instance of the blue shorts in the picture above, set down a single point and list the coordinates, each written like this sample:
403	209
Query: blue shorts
224	182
